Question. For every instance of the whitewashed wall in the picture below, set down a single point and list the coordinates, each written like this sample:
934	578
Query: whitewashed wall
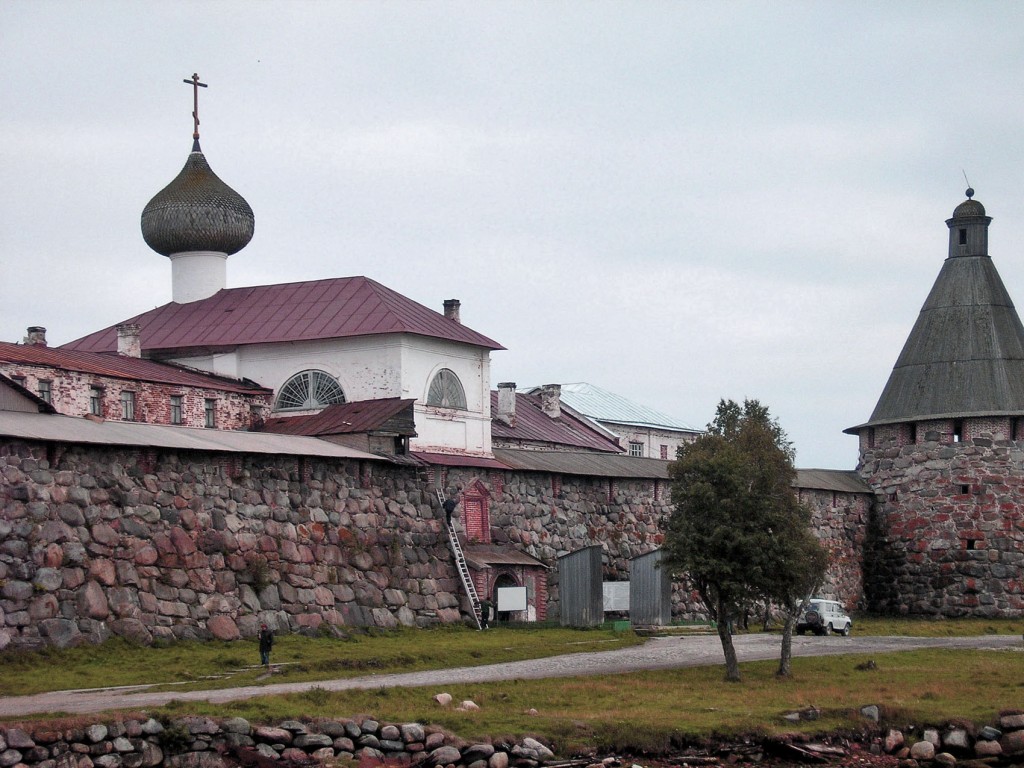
374	367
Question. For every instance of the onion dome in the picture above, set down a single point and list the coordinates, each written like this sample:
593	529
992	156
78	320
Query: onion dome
197	212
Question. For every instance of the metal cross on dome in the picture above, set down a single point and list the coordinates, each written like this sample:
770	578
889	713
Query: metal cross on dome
196	85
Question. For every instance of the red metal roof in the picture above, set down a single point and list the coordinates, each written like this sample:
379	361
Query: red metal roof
533	425
457	460
120	367
340	419
319	309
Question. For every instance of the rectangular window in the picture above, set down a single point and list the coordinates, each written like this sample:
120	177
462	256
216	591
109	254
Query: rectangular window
45	390
19	380
128	406
95	401
210	411
963	237
636	449
175	409
664	451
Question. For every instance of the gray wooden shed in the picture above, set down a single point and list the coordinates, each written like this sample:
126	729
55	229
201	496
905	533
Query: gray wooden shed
579	588
650	591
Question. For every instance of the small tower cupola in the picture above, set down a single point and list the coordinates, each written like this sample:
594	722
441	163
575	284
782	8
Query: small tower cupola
197	221
968	229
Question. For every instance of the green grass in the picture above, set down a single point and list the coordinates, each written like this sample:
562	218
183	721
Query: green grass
658	711
646	711
193	665
885	625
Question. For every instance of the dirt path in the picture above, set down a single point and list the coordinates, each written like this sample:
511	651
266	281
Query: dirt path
658	653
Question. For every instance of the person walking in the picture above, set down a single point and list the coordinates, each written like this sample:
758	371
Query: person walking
266	644
485	613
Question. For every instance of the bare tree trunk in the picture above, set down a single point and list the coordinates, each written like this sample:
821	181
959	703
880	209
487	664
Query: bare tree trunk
732	664
786	655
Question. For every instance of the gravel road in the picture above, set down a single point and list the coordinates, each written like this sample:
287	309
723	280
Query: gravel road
657	653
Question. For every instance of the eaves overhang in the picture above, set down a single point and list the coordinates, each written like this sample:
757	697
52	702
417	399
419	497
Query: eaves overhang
932	417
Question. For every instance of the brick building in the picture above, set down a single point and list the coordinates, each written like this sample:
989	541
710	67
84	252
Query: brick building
122	386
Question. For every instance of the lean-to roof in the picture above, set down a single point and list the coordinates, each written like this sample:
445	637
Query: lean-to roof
68	429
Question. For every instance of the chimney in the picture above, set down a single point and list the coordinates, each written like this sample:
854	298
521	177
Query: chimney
507	403
451	310
549	400
128	342
36	336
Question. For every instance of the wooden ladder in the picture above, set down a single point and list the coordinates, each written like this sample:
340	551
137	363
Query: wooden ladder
460	563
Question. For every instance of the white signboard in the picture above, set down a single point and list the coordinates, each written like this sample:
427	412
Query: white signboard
511	598
616	595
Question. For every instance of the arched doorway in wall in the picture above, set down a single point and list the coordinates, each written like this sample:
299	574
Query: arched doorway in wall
500	582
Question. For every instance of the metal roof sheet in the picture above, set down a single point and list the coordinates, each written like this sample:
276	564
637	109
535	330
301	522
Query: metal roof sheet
457	460
118	366
842	480
307	311
340	419
964	355
483	555
583	463
68	429
533	425
602	405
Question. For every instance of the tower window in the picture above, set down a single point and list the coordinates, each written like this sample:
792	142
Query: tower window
963	236
309	390
446	391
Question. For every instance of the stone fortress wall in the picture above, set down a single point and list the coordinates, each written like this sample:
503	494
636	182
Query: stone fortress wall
145	544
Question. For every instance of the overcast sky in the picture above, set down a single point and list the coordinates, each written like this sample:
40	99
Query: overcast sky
678	202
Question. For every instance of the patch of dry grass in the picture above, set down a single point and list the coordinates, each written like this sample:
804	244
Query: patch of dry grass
653	711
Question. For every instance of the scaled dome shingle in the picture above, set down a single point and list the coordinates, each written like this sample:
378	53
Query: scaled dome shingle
197	212
968	208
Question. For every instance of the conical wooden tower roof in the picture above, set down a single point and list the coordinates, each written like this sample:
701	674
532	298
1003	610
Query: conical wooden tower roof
965	354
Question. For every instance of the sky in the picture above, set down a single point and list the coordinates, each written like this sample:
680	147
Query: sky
676	201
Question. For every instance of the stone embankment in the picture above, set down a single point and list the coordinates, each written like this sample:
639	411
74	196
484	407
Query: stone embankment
201	742
1002	745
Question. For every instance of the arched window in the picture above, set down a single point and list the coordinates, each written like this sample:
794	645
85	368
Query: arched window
446	391
309	390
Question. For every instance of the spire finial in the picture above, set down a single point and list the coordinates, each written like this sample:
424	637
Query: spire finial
970	190
196	85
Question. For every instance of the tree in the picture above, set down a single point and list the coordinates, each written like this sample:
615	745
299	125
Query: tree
802	564
735	532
